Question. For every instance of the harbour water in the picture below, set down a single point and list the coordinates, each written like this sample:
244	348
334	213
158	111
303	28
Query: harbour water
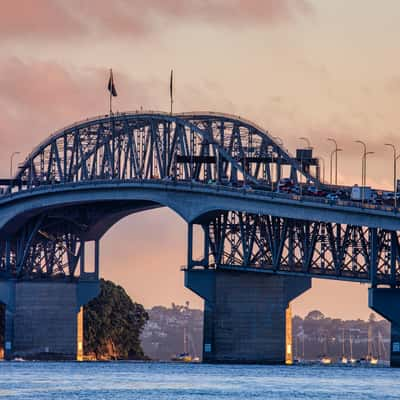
160	381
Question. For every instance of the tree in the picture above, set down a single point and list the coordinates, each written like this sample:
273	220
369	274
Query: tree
314	315
113	324
372	318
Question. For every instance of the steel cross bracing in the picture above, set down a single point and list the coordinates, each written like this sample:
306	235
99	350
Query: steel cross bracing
201	147
245	241
191	147
52	244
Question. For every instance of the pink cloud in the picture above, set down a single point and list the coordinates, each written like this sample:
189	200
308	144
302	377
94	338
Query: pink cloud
39	18
51	19
38	98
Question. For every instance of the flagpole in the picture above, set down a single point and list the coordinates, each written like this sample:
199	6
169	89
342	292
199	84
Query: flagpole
171	82
110	94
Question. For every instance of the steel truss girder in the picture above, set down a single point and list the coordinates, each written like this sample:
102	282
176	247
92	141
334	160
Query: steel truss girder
50	245
200	147
266	243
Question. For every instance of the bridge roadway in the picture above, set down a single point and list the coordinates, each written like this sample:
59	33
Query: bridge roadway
208	168
191	200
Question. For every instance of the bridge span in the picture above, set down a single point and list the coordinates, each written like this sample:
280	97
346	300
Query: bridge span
261	246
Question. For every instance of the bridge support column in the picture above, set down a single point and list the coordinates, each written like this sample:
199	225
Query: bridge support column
244	314
386	302
42	317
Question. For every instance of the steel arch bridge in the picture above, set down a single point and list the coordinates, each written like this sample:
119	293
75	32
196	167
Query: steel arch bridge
215	170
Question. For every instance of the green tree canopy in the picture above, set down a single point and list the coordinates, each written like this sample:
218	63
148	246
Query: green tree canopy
113	321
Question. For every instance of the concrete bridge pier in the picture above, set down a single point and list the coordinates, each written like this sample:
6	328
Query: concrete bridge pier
386	302
44	317
244	314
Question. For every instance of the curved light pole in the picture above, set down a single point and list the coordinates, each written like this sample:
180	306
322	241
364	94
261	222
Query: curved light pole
323	168
307	140
309	147
394	171
335	152
365	166
363	161
278	139
13	154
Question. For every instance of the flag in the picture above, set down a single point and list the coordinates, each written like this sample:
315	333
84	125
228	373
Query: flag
171	83
111	86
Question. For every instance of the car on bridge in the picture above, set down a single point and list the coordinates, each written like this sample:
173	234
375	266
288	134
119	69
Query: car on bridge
314	191
285	184
332	197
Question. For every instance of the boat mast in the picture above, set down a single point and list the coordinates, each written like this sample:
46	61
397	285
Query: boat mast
342	342
351	346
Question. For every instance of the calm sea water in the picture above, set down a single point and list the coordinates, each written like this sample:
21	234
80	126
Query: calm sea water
159	381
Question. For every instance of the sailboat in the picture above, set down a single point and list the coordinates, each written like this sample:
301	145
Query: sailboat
325	359
343	359
370	357
188	342
185	356
352	360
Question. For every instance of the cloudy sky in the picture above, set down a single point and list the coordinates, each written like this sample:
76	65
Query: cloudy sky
315	68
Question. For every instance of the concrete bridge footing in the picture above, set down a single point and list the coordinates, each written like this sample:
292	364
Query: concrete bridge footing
43	318
244	314
385	302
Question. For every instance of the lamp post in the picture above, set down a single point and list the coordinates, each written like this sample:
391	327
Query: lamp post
365	166
363	161
271	174
13	154
394	172
335	152
323	168
307	140
365	173
278	139
309	147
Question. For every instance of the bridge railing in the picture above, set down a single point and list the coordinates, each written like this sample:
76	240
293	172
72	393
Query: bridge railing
241	188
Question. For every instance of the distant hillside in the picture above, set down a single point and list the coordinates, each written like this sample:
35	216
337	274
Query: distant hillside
313	336
117	327
318	335
163	335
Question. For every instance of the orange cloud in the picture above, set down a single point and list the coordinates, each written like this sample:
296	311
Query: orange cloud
51	19
38	98
38	18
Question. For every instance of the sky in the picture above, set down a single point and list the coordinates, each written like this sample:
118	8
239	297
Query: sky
314	68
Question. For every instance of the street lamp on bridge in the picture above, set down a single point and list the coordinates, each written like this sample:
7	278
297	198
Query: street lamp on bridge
364	168
394	171
13	154
322	161
307	140
335	151
363	158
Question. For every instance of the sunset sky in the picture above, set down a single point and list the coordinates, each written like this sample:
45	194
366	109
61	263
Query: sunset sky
315	68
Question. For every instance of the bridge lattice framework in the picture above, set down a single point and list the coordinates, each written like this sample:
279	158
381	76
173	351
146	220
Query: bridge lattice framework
204	148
